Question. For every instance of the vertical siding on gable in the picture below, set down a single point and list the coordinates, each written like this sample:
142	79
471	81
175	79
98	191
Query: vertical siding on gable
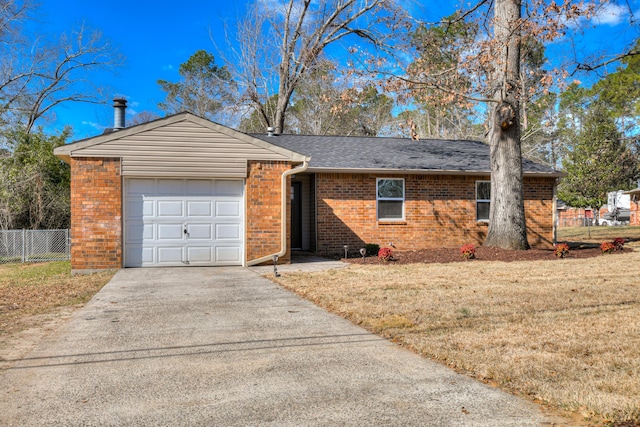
181	149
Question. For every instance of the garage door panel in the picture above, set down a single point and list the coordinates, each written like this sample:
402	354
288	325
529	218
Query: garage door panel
158	211
144	256
200	231
137	231
229	188
169	231
141	186
228	255
200	254
138	207
227	232
170	255
197	208
224	209
199	187
170	208
170	187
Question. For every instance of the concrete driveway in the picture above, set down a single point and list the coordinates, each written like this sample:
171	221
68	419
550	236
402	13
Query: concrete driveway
226	347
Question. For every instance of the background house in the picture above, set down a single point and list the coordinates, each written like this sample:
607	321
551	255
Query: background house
634	206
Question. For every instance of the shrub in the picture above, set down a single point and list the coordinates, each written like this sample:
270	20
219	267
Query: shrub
618	242
468	251
561	250
607	247
372	249
385	254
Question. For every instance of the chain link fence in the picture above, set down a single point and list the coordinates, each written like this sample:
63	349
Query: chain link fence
34	245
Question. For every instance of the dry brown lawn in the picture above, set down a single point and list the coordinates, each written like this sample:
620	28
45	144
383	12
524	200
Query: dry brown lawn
33	296
598	234
564	332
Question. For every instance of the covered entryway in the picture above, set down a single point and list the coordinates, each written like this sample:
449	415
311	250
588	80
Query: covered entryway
178	222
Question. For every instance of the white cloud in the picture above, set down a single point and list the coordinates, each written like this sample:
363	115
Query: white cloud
610	14
167	67
94	125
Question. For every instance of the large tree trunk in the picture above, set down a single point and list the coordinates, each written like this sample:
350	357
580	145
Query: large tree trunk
507	224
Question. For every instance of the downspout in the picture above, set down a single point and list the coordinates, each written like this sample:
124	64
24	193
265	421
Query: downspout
283	228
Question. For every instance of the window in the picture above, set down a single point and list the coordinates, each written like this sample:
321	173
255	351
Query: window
483	200
390	197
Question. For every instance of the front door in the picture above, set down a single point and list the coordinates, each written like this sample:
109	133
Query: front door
296	215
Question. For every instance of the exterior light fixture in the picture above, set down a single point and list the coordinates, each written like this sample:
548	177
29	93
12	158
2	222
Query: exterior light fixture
346	251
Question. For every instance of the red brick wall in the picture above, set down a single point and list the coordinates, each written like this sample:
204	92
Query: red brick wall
96	214
634	211
263	202
440	211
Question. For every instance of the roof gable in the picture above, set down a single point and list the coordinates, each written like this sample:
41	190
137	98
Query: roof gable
179	145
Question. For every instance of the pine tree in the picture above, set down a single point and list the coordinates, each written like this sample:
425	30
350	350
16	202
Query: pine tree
598	162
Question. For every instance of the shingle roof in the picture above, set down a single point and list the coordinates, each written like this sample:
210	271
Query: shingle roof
356	153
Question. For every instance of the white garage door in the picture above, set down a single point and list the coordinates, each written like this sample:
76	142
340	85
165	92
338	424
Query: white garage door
176	222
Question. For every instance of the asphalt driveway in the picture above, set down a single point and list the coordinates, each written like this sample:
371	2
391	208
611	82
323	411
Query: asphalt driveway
226	347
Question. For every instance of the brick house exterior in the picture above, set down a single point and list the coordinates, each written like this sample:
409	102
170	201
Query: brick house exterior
440	211
185	191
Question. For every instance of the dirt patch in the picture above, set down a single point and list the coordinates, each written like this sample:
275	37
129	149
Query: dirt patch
31	331
447	255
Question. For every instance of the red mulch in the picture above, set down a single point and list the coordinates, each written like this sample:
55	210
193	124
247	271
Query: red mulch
445	255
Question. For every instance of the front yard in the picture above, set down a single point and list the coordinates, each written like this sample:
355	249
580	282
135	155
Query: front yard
562	332
32	295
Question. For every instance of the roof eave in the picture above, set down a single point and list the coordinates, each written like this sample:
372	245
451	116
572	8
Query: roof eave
312	169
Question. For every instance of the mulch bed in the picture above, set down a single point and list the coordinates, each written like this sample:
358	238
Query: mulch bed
446	255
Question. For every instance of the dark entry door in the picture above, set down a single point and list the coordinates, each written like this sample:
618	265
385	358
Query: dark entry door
296	215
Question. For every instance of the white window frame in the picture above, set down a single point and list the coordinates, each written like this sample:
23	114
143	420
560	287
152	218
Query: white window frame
395	199
478	201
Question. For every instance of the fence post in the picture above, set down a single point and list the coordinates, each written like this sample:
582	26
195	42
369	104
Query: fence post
24	245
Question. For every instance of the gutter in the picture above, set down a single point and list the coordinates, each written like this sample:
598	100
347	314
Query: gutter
316	169
283	222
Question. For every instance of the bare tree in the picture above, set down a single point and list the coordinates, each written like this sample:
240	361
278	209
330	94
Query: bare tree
281	42
37	74
327	103
142	117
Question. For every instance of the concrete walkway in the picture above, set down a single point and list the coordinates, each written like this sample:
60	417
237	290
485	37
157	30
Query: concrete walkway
226	347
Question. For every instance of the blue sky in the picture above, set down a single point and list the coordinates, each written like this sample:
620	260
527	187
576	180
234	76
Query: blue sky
155	37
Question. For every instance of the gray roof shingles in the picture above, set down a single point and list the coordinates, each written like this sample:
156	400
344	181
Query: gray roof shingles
353	152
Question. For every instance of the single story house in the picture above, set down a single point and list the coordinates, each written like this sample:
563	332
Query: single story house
183	190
